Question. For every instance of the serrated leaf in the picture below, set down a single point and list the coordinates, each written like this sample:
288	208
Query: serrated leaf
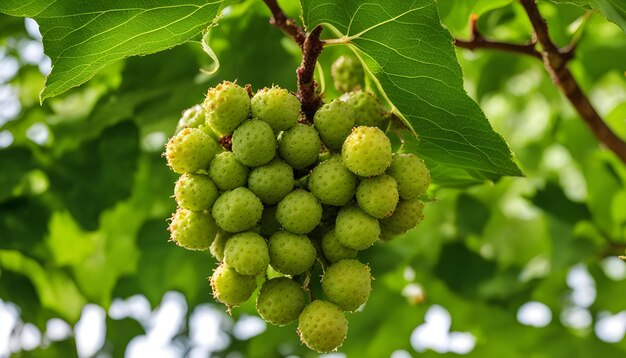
614	10
411	57
83	37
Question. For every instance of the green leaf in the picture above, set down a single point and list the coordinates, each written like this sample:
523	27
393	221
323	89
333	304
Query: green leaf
98	174
55	289
15	164
456	14
84	37
413	61
614	10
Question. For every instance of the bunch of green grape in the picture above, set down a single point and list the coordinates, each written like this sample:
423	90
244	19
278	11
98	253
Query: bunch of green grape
272	198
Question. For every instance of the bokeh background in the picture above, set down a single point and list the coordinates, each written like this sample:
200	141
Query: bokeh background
522	267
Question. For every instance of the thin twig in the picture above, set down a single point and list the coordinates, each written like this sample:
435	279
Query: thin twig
311	46
555	61
478	41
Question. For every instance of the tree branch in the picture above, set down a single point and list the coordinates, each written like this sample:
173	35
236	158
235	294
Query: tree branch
311	46
307	88
288	25
478	41
555	61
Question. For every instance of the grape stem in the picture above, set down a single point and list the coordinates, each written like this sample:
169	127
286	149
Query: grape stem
555	61
311	46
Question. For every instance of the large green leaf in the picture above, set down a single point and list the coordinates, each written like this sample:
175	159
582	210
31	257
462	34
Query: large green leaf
55	289
412	59
83	37
614	10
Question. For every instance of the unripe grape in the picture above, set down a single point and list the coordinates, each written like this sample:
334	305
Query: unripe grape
230	287
332	183
368	111
299	212
237	210
247	253
347	73
334	121
227	105
356	229
378	196
407	215
193	117
411	174
291	254
190	150
195	192
366	151
277	107
299	146
192	230
334	250
254	143
322	326
272	181
280	301
228	172
347	284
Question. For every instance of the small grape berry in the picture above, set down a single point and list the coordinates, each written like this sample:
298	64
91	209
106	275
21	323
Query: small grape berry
230	287
237	210
247	253
299	212
190	150
254	143
334	121
227	105
291	254
366	151
355	228
347	284
277	107
411	174
195	192
192	230
280	301
322	326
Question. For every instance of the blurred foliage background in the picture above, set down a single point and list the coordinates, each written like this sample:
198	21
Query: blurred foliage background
522	267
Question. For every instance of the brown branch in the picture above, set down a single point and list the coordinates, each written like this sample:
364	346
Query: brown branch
307	88
478	41
288	25
555	61
311	46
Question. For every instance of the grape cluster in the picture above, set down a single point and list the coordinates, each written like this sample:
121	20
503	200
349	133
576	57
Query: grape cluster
258	188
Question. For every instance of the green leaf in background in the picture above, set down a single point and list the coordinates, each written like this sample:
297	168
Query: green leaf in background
614	10
82	38
56	290
456	14
412	58
99	174
15	164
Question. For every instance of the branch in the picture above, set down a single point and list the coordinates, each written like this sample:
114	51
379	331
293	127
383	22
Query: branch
288	25
478	41
555	61
311	46
307	88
